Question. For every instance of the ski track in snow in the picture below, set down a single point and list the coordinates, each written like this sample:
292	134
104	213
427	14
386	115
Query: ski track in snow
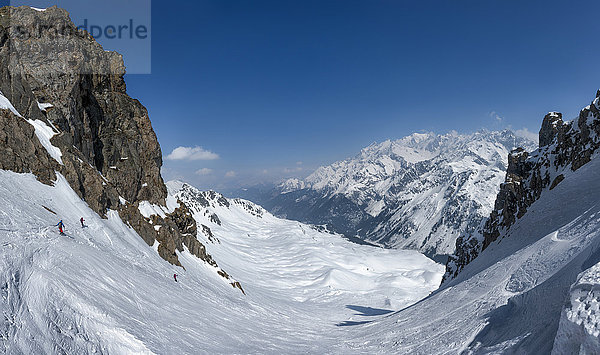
101	289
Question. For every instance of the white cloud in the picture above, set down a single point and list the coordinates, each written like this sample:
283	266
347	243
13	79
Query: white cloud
293	170
525	133
189	153
204	172
230	174
496	116
299	163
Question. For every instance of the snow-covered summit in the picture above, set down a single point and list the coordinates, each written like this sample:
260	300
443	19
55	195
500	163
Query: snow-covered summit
290	185
529	281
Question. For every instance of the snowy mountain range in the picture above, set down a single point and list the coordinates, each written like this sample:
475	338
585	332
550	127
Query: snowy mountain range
166	268
420	192
527	283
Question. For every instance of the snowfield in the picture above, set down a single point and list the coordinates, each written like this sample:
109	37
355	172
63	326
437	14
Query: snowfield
511	297
101	289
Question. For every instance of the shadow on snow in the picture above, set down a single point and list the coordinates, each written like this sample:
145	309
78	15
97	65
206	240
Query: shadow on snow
365	312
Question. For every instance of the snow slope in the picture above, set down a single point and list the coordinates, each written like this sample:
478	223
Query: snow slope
511	297
101	289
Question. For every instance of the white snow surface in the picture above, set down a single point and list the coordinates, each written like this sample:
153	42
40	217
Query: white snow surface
44	106
148	209
44	134
579	328
511	297
101	289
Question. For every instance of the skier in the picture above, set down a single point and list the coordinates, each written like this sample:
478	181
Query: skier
60	226
82	220
175	277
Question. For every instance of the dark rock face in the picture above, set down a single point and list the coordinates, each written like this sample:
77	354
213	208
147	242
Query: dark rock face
21	151
563	146
69	69
209	234
551	126
110	154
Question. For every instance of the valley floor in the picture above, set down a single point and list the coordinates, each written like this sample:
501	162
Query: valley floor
101	289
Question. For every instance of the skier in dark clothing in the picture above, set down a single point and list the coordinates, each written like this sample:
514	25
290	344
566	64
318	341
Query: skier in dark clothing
82	220
175	277
60	226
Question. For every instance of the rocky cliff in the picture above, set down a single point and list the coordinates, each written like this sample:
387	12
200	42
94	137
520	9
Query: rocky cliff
564	147
64	88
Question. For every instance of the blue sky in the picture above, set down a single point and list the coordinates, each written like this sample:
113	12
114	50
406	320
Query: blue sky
270	89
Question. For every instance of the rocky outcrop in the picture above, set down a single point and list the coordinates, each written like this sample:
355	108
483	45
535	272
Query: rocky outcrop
66	67
564	146
21	151
55	73
209	234
250	207
201	207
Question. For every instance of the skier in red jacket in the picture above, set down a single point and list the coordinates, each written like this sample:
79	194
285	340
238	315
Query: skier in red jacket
175	277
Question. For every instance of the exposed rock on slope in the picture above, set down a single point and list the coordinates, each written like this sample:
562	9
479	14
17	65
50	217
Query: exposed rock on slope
91	108
21	151
61	79
564	147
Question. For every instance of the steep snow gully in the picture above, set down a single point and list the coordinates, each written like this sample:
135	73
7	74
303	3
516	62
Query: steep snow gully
101	289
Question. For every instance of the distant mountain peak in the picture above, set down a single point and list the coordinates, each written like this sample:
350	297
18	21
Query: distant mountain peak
421	191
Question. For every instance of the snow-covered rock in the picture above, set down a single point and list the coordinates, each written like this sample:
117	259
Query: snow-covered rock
579	329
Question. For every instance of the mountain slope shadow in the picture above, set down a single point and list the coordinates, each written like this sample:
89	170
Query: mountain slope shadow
365	312
368	311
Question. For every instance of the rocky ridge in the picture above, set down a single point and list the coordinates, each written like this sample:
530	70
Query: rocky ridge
61	79
564	147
